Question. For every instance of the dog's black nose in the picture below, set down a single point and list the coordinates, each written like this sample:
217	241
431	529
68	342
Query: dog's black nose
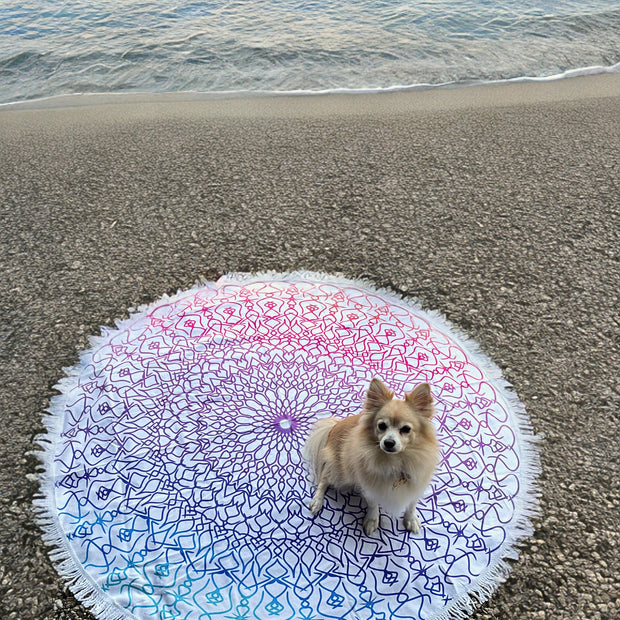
389	444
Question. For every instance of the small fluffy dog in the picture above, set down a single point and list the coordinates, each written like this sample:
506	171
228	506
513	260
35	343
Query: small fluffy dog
388	453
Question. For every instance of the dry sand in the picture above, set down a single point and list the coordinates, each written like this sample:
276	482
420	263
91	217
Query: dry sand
497	206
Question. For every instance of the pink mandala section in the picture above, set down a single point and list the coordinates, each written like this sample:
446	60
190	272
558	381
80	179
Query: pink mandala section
174	485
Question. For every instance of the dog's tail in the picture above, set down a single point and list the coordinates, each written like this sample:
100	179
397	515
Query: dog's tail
315	443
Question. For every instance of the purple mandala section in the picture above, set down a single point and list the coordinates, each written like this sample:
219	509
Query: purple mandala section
174	485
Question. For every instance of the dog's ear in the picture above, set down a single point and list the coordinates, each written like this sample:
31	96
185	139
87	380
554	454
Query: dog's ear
377	395
422	400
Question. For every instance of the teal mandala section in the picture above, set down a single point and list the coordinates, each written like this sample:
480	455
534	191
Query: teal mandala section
174	486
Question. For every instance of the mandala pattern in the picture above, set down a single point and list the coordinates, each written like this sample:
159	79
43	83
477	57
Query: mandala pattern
175	486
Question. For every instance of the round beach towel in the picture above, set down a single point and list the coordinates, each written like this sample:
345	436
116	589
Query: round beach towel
174	485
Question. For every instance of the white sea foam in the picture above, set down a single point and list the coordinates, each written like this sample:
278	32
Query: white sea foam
82	99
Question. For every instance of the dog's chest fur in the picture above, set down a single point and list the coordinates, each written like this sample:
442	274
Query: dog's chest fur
389	480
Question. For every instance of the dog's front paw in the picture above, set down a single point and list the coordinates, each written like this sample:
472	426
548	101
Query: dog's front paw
412	524
315	505
371	524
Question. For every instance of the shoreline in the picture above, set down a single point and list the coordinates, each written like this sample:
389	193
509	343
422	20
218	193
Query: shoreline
415	99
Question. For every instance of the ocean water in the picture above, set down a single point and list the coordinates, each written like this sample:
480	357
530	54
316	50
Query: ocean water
51	47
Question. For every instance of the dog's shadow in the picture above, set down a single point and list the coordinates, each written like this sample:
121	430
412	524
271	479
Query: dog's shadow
344	511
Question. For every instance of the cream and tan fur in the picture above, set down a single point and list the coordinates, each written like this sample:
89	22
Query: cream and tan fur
388	453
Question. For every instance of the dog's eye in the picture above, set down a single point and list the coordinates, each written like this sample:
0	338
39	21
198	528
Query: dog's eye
382	426
405	429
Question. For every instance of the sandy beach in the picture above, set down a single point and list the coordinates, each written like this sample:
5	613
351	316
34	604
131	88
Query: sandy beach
495	205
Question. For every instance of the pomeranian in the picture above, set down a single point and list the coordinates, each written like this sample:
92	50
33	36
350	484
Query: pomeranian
387	453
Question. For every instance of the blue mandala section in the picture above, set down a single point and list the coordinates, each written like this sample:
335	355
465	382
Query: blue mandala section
175	486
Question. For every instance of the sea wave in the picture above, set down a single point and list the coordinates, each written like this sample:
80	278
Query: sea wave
288	46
